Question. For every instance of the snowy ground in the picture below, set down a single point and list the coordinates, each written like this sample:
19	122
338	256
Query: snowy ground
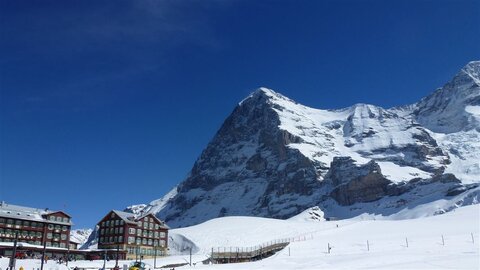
387	243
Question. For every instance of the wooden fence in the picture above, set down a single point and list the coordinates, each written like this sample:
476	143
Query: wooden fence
246	254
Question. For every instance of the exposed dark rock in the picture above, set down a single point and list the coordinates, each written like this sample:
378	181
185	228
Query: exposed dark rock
353	184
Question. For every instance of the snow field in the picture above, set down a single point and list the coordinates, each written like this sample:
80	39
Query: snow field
386	239
387	243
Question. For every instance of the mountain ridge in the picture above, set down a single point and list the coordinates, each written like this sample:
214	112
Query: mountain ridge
275	157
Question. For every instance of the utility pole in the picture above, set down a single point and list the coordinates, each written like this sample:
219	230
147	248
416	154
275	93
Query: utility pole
104	259
68	250
11	265
44	245
116	257
190	256
155	257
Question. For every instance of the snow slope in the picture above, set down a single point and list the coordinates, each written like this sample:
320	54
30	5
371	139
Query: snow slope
387	241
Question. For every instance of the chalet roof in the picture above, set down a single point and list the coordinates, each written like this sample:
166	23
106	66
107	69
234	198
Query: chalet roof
155	217
28	213
131	218
125	216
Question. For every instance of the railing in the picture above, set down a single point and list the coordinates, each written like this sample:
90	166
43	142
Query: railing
241	254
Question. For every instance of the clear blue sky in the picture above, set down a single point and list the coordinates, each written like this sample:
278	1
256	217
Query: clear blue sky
109	103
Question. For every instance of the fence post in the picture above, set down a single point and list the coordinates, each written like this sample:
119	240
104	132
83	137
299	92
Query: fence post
443	241
406	241
328	248
368	246
473	239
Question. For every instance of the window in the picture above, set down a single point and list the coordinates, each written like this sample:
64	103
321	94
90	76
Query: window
59	219
155	243
107	223
116	230
49	235
116	222
120	238
144	241
138	241
150	242
162	243
63	236
65	219
121	230
39	234
139	232
18	222
131	239
156	234
157	227
57	227
162	234
26	223
121	222
112	215
62	245
131	230
145	233
33	224
64	228
52	218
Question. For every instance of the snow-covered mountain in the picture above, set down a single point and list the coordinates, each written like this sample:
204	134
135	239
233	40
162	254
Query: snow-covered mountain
80	236
273	157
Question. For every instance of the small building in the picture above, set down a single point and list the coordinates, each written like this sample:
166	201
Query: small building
74	244
144	235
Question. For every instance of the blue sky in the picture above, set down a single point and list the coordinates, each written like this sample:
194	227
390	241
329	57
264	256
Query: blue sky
104	104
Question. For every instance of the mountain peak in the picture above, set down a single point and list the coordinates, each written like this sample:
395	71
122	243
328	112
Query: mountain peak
472	69
266	95
445	110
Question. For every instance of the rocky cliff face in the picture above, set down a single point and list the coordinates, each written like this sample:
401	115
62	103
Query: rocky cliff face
274	157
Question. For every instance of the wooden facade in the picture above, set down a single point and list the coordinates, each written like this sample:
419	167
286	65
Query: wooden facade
145	236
